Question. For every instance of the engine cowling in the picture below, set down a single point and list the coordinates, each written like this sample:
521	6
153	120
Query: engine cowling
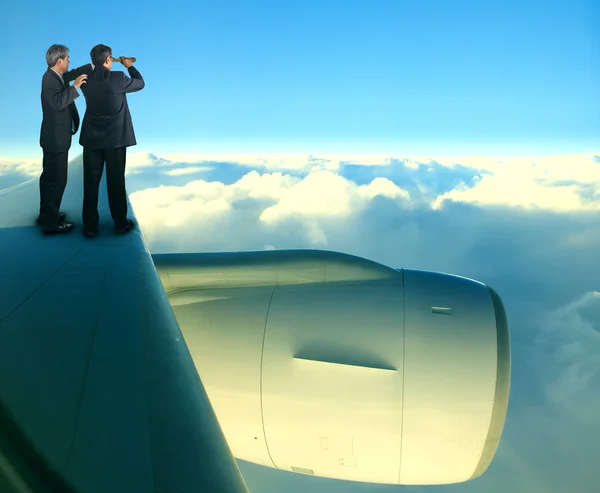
329	364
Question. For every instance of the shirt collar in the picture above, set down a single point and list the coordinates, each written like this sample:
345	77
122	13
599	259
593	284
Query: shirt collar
57	73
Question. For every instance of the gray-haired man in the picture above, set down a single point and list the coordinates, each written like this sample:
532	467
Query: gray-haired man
59	122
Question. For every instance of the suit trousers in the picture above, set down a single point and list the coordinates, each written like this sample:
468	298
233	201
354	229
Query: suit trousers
93	166
53	181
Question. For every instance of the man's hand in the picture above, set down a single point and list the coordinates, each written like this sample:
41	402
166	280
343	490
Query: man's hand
127	62
80	80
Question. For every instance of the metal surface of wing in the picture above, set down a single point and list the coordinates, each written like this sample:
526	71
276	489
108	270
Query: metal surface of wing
97	384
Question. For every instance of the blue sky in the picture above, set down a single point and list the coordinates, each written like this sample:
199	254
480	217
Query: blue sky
414	77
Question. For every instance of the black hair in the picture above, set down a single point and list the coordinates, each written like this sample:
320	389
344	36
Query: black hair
99	54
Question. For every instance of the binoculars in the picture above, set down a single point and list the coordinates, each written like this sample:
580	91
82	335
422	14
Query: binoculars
119	59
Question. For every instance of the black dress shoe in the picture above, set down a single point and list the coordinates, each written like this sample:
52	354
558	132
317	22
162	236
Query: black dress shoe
128	226
90	234
61	228
61	218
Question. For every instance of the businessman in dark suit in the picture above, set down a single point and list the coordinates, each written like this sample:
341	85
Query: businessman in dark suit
106	132
59	122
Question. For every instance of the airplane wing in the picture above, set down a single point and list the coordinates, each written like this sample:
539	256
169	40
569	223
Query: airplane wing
98	391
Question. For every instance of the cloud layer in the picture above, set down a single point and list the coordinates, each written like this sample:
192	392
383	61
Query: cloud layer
528	227
15	171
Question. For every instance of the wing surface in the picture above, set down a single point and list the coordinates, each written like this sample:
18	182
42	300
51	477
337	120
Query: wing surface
97	386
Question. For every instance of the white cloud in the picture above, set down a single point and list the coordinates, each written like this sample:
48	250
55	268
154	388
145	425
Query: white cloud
313	203
188	171
383	187
411	164
269	161
583	168
323	197
176	206
321	193
552	183
298	161
266	186
557	183
140	161
505	188
27	167
318	203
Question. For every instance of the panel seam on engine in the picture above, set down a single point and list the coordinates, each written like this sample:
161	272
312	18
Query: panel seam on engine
262	355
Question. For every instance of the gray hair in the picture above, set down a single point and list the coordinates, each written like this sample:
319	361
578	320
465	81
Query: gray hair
54	53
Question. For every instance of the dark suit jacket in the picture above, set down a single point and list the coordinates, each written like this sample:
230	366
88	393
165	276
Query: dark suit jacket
107	122
60	118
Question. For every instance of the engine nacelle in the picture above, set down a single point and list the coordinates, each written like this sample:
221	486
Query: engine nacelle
329	364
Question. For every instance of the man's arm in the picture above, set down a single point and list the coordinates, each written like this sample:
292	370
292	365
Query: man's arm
76	72
57	96
136	83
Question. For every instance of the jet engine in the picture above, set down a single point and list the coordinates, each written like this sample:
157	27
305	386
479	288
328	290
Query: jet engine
329	364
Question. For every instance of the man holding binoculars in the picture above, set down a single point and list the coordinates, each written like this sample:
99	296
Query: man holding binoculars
106	132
